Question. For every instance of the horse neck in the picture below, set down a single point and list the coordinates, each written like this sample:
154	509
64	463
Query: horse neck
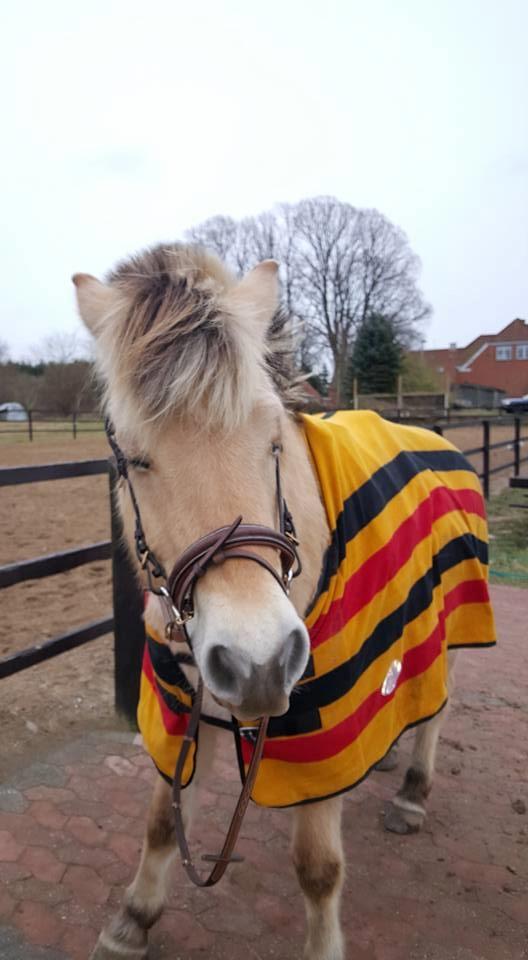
303	496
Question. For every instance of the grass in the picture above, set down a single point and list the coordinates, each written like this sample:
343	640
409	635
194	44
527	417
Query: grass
508	526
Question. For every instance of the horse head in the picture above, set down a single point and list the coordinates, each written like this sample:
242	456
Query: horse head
196	383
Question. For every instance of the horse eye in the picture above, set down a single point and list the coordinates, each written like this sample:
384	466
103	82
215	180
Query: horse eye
140	463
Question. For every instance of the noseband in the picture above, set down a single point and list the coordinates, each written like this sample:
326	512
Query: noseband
227	543
176	591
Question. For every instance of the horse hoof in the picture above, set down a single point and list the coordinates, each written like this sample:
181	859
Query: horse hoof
105	950
388	762
402	820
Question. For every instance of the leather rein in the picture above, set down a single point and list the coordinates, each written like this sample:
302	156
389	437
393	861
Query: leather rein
176	591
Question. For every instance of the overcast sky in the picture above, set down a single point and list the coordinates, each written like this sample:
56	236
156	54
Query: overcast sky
124	123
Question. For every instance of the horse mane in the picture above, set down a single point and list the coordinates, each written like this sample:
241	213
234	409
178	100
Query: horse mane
177	347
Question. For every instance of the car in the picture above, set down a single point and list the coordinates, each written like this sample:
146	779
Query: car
515	404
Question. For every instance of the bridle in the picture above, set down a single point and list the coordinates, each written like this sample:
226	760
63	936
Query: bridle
176	591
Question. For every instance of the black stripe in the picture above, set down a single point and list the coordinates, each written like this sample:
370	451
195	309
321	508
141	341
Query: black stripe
218	722
295	722
310	670
167	665
360	508
173	702
328	688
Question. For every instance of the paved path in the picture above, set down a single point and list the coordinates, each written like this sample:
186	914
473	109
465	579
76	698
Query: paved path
71	823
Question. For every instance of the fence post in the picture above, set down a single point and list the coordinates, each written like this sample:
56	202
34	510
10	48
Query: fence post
74	425
129	631
486	458
30	424
355	401
399	397
517	447
447	392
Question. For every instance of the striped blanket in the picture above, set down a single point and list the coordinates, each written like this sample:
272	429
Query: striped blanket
404	578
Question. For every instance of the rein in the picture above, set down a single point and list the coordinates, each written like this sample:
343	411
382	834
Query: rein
176	591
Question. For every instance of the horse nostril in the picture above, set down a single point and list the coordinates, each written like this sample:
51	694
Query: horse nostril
295	657
222	673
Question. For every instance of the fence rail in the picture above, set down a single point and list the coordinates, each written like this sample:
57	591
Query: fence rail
53	563
10	476
23	659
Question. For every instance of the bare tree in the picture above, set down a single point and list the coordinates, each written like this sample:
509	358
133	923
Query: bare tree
352	264
219	234
4	351
62	348
338	266
19	385
65	386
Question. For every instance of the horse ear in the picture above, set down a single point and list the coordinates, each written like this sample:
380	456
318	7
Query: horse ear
259	290
93	299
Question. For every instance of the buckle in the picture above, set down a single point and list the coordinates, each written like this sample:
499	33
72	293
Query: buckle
176	619
249	733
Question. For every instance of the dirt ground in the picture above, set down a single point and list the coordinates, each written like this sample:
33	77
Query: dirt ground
73	689
35	519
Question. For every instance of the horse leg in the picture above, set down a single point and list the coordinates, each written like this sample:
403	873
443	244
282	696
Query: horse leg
389	761
407	812
319	863
126	936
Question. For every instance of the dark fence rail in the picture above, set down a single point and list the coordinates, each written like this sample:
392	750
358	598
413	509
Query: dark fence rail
23	659
52	563
9	476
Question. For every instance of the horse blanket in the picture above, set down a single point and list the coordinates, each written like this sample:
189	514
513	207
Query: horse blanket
403	580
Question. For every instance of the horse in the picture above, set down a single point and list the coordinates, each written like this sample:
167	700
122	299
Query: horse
347	559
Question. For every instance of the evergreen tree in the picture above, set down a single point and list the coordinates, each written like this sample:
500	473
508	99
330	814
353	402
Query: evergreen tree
377	358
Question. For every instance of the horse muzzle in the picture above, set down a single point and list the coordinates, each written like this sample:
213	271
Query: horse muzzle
249	689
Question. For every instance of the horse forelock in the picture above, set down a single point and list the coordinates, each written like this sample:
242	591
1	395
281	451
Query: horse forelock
174	346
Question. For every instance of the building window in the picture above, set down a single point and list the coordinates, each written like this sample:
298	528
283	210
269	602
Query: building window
503	353
521	351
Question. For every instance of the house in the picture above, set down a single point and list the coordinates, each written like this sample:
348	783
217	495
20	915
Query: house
314	401
497	360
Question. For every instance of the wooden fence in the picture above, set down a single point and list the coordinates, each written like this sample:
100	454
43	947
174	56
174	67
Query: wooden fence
515	443
38	422
126	620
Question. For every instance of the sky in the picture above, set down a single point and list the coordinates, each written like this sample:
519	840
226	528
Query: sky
124	123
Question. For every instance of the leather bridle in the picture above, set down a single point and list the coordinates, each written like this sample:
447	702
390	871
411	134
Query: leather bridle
176	591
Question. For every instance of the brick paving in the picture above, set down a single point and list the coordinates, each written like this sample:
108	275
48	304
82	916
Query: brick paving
71	825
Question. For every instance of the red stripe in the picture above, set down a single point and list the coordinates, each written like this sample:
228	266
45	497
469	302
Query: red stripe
175	724
383	565
321	746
